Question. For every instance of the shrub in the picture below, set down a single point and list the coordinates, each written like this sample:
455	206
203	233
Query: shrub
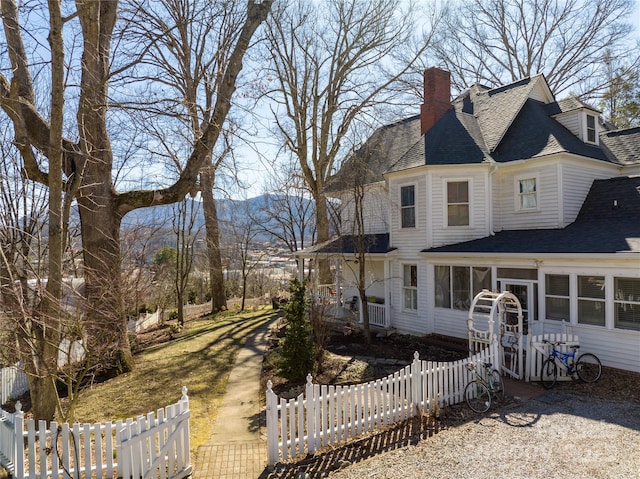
133	342
298	351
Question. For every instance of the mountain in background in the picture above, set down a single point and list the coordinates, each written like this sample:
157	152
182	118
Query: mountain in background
229	212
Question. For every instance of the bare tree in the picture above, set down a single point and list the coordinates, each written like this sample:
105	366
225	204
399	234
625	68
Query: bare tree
328	72
88	159
288	213
186	233
499	41
189	58
245	230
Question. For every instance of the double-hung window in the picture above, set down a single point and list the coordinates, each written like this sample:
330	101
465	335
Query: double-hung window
458	203
410	287
591	128
408	206
527	193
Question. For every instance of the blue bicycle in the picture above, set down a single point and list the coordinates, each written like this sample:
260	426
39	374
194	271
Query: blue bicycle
587	366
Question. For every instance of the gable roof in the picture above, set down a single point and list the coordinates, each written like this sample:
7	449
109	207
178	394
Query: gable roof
496	109
499	125
607	223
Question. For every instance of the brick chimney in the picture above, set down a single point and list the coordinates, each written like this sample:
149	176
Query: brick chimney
437	97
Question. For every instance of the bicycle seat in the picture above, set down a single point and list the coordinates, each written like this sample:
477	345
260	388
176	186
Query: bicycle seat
487	365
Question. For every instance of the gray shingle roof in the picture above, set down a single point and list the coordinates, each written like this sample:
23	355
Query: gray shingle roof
535	134
496	109
608	222
500	124
347	244
623	145
375	157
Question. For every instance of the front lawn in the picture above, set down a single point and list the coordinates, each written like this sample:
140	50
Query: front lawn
200	357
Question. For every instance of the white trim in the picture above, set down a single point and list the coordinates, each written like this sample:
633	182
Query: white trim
585	129
403	287
445	202
517	179
415	206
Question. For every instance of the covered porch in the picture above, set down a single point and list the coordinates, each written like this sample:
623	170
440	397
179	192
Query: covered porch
341	296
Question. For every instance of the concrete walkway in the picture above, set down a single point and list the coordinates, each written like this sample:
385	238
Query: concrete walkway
235	448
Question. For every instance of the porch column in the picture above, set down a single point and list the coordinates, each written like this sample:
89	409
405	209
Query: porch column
387	293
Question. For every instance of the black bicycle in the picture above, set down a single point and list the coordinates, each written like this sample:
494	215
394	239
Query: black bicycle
587	366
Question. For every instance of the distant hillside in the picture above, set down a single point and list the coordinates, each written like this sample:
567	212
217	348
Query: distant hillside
229	212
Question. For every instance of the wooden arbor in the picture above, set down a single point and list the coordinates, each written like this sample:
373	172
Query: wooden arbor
498	317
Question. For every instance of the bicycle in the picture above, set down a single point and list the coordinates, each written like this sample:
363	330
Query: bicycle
587	366
478	392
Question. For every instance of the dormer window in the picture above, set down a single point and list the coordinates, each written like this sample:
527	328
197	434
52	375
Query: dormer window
591	128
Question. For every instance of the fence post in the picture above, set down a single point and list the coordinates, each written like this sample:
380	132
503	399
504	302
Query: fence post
272	425
311	415
18	428
496	359
186	445
416	384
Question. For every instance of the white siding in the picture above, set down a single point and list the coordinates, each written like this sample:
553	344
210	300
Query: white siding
547	215
441	233
409	239
540	93
571	121
375	207
577	178
407	322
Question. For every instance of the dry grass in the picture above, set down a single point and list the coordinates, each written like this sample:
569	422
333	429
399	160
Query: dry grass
200	358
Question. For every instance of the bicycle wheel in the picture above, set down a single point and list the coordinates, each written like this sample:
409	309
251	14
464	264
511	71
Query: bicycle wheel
549	373
497	384
589	368
477	396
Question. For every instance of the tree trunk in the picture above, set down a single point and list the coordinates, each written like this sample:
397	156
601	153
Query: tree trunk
105	320
216	279
322	226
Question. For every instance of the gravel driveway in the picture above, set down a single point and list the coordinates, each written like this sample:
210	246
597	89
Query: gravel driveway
554	435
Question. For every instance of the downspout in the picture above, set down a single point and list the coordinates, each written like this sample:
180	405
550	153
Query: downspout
492	171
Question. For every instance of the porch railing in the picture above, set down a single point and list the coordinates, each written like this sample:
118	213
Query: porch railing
327	294
377	315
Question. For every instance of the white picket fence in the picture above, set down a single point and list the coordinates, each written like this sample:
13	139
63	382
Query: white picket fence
323	415
13	383
538	351
151	446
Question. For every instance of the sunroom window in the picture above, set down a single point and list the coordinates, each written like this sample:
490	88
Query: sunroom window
591	300
627	303
557	296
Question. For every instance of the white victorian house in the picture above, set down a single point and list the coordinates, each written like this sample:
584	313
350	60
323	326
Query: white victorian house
503	189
